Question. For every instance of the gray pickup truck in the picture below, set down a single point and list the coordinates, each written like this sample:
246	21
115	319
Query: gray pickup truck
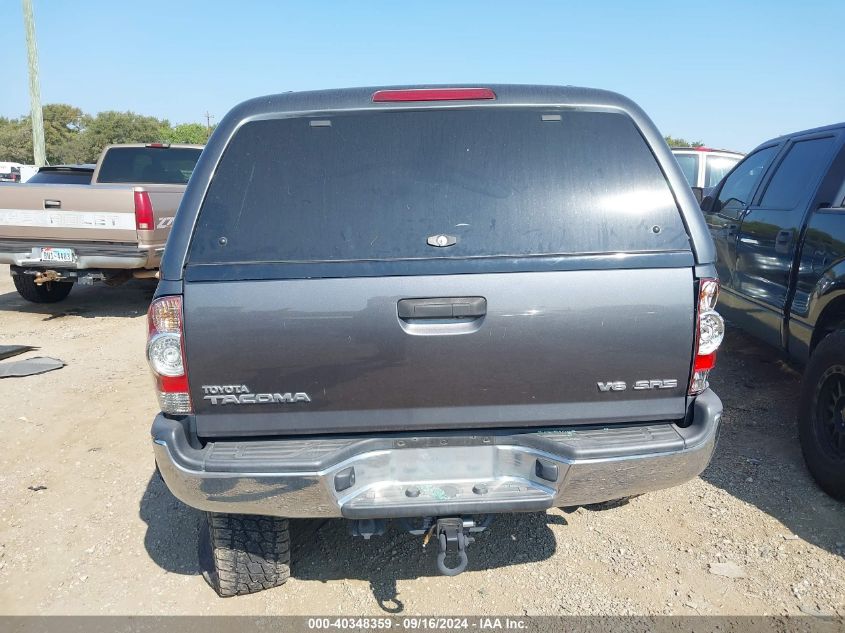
428	305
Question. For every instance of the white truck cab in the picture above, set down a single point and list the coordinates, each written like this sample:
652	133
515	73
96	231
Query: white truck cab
705	167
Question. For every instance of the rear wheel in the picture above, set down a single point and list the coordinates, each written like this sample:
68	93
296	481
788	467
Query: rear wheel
821	417
609	505
49	292
243	554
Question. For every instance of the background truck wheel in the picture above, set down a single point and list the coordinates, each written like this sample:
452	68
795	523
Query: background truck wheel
50	292
821	415
243	554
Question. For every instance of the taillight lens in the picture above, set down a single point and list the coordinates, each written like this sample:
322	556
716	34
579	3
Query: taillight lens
709	334
164	352
166	355
144	220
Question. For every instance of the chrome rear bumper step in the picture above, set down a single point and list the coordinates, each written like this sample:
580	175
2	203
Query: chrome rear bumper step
435	475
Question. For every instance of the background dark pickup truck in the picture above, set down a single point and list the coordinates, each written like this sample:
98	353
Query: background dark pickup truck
778	221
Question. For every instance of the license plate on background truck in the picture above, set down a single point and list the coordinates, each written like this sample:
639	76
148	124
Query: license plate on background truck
57	255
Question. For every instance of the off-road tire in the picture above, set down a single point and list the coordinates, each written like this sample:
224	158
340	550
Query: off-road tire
50	292
823	438
243	554
609	505
603	505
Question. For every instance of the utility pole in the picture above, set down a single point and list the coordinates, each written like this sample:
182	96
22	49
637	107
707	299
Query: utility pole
208	117
38	149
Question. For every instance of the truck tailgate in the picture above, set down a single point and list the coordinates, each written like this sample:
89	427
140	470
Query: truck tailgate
334	355
103	213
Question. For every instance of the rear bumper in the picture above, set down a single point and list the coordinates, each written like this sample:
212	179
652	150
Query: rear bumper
87	255
446	474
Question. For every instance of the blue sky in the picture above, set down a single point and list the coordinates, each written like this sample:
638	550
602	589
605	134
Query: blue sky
729	73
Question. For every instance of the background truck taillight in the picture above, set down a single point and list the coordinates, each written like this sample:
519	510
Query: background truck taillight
166	355
710	331
144	220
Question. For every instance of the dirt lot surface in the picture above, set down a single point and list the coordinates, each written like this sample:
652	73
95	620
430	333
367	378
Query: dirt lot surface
86	527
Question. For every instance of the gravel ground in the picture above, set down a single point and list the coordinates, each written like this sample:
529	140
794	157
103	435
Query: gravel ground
86	527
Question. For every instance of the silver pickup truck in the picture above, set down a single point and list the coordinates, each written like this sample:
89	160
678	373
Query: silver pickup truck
430	306
112	229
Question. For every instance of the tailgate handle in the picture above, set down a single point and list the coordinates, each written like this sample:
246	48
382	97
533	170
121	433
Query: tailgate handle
443	308
52	204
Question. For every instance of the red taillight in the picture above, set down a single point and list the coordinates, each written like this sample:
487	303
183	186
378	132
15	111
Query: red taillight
144	220
166	355
434	94
173	384
709	332
704	362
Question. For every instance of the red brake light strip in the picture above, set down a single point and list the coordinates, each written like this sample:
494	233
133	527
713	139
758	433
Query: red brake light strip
434	94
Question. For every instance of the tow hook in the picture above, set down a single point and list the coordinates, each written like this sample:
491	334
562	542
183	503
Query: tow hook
453	535
452	539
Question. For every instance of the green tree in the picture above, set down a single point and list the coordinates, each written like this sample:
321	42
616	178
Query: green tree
15	140
72	136
63	133
671	141
63	126
194	133
119	127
